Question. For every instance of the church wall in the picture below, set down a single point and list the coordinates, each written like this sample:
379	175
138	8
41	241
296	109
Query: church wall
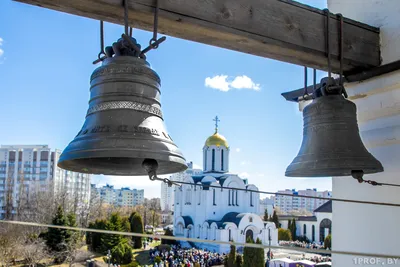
207	159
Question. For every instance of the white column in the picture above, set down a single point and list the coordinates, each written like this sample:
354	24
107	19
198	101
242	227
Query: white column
367	228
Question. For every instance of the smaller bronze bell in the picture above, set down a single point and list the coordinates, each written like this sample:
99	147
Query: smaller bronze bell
124	131
331	145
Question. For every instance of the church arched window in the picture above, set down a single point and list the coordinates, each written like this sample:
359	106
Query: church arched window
214	203
199	196
237	204
205	160
213	160
233	197
188	196
251	199
229	197
222	159
313	233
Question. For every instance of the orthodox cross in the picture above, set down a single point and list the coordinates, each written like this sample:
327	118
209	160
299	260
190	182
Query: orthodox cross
216	123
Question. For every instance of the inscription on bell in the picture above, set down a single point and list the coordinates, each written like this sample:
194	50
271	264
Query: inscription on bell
137	129
101	129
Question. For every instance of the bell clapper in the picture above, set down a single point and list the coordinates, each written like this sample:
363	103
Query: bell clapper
358	175
151	166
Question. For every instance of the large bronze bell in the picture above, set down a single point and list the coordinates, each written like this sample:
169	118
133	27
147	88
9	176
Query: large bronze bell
124	124
331	145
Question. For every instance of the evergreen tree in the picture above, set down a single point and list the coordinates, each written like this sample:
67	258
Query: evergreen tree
289	226
126	224
275	219
253	257
121	254
266	218
168	232
259	260
94	239
284	234
109	241
239	260
248	254
328	242
232	256
72	237
294	229
136	224
56	238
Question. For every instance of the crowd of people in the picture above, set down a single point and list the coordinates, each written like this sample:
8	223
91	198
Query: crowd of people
301	244
178	256
318	259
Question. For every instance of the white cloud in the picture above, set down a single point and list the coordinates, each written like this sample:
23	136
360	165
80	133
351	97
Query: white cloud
244	82
244	175
1	50
218	82
237	150
260	174
221	82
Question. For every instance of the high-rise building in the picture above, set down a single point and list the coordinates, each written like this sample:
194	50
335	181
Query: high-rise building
267	204
124	197
26	170
167	193
295	202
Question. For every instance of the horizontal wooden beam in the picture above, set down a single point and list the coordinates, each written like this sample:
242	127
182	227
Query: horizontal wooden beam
297	95
279	29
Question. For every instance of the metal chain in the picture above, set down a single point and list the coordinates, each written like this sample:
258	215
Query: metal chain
126	22
341	46
375	183
154	42
314	80
155	26
328	47
101	40
305	93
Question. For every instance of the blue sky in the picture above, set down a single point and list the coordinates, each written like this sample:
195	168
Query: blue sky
45	65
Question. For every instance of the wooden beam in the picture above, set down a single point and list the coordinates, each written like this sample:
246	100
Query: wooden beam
279	29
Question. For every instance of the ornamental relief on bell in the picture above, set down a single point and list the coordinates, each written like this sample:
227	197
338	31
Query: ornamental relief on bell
134	70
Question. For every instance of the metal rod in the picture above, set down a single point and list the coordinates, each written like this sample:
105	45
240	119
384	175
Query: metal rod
341	40
328	48
155	29
305	94
126	22
314	79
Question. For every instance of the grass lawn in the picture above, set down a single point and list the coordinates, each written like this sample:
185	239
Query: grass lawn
140	255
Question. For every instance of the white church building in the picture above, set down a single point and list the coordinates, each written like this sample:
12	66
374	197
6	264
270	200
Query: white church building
211	213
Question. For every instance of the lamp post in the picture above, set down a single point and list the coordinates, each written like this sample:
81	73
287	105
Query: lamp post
269	243
108	257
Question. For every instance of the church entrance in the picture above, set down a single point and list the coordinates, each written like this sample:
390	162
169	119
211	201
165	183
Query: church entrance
325	228
249	234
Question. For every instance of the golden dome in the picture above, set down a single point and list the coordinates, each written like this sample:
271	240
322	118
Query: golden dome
216	140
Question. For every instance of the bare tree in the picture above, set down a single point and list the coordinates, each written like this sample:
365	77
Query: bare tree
10	241
73	254
9	200
33	252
